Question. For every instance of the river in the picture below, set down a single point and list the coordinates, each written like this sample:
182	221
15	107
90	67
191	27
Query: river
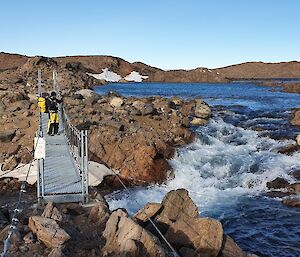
227	167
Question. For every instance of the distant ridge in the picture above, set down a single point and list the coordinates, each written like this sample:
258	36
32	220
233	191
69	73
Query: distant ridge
261	70
96	63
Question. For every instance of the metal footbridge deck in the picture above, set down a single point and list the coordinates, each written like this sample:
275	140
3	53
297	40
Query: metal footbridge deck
63	171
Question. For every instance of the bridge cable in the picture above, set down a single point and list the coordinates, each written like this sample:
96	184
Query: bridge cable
14	220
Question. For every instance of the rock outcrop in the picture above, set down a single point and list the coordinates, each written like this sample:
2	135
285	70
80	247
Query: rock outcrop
123	235
178	219
48	231
135	136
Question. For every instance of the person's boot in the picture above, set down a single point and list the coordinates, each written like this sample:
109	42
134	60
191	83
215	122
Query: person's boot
56	125
51	130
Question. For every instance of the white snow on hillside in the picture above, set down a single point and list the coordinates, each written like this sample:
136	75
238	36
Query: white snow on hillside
107	75
135	76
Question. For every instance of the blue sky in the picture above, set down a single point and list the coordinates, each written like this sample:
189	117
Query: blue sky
162	33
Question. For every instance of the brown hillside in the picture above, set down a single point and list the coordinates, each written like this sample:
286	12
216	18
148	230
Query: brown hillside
97	63
259	70
11	61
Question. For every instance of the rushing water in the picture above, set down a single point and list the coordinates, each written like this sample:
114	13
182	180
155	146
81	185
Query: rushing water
227	167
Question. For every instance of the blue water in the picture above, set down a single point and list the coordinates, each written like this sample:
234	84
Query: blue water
227	167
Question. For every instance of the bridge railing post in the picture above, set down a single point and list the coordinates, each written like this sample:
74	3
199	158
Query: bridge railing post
86	167
84	163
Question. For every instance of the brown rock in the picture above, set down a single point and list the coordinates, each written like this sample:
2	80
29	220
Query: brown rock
29	238
198	122
148	211
116	102
295	121
277	194
11	163
294	188
203	234
231	249
293	202
123	234
202	110
289	149
48	231
7	136
188	252
99	214
52	212
277	183
56	252
178	206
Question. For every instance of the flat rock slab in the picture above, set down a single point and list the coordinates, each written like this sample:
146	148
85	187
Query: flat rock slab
48	231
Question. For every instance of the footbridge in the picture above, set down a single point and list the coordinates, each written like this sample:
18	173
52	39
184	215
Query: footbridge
62	159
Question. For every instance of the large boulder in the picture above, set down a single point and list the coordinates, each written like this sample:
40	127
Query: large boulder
177	205
116	102
204	235
48	231
202	110
277	183
123	235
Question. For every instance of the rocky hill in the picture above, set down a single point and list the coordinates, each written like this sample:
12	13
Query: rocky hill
258	70
117	66
11	61
95	64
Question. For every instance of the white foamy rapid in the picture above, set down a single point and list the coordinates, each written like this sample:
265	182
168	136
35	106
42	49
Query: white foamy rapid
225	163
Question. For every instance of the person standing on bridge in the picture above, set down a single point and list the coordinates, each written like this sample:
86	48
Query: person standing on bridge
52	107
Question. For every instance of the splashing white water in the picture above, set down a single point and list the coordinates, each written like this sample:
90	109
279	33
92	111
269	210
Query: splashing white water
224	163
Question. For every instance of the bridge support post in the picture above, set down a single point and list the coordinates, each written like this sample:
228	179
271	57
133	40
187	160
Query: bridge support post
84	165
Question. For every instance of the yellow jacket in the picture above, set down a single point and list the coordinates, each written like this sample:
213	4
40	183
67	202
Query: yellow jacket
42	104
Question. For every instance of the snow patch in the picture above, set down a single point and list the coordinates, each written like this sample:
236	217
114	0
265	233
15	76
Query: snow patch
97	172
135	76
21	172
110	76
107	75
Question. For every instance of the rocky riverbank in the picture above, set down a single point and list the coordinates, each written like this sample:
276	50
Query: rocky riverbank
75	230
